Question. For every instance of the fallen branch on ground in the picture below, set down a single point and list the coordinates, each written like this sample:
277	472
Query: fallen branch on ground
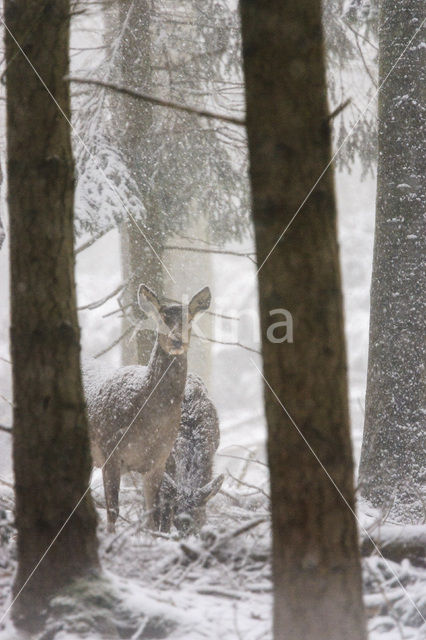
396	542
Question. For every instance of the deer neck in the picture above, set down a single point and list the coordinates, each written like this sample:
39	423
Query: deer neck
168	372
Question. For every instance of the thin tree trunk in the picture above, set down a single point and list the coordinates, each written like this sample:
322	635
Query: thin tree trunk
132	121
393	457
316	567
51	454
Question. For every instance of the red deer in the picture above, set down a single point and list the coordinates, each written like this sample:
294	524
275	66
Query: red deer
134	413
188	482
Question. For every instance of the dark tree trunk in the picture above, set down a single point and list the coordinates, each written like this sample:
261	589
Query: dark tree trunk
316	566
393	458
50	439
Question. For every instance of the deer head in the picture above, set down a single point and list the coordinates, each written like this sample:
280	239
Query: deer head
190	503
173	320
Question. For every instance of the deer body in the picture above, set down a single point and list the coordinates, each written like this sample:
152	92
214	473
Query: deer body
188	482
134	412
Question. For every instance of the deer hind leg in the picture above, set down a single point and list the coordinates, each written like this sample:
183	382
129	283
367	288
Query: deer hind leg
151	486
111	478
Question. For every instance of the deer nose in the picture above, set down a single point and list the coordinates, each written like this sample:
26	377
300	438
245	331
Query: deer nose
183	523
176	343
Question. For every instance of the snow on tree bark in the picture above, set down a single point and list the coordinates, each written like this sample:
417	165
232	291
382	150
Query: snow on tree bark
132	120
393	458
2	234
51	455
316	566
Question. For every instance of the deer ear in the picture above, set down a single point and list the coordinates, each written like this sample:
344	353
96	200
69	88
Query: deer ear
200	302
148	301
210	489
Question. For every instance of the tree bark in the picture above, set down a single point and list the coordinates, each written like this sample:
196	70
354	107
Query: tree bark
51	455
316	567
132	120
2	234
393	457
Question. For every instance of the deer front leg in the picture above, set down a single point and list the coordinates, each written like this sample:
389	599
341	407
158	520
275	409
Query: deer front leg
151	486
111	478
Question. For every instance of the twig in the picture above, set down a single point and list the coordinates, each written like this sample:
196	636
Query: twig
365	63
192	239
212	591
171	247
237	532
5	360
358	34
157	101
115	343
250	486
99	303
6	399
228	455
338	110
93	239
122	308
211	313
6	429
386	599
228	344
139	631
159	534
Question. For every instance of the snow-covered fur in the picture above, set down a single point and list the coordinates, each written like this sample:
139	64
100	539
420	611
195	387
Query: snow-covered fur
133	424
188	485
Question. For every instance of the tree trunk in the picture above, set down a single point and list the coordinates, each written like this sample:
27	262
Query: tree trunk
393	457
2	234
132	121
51	453
316	567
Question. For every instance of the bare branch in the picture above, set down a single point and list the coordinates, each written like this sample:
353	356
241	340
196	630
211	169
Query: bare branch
93	239
370	75
211	313
249	486
228	455
214	591
228	344
157	101
238	532
6	429
6	399
339	109
171	247
99	303
358	34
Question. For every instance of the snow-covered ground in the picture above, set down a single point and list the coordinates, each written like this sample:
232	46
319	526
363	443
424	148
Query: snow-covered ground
217	585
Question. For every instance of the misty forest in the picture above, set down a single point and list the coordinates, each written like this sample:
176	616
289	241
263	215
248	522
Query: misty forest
212	320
